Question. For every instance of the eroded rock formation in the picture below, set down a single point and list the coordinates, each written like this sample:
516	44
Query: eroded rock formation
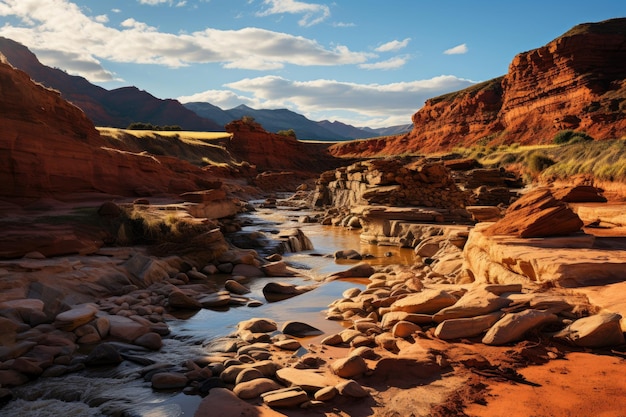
50	148
577	82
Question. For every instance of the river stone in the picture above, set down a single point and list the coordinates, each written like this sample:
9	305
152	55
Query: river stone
326	394
126	329
599	330
150	341
8	331
235	287
393	317
362	270
349	367
104	354
513	326
223	402
299	329
258	325
27	366
169	380
267	368
306	379
180	300
248	375
365	352
348	254
12	378
276	269
425	302
285	398
249	271
16	350
332	340
214	300
76	317
288	344
471	304
253	388
466	327
404	329
351	388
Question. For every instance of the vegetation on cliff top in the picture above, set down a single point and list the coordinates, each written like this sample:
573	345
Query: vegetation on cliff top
604	160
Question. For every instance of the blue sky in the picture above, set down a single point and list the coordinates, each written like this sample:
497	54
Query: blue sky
363	62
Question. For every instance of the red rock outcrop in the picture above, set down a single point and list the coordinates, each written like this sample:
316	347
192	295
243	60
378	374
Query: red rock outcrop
577	82
48	147
274	152
537	214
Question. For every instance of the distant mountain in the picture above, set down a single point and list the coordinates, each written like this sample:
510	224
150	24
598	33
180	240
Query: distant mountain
391	130
113	108
283	119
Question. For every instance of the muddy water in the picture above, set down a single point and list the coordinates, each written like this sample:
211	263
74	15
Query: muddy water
122	392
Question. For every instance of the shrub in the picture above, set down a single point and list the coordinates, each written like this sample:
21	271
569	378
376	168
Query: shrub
289	132
537	162
570	136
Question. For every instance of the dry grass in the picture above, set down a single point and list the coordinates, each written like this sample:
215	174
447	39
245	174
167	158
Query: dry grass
198	148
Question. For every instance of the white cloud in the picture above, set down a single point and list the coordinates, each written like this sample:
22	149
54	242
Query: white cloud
324	99
154	2
393	45
457	50
392	63
312	13
59	25
224	99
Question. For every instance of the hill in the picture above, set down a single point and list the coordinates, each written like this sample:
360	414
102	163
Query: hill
113	108
274	120
575	82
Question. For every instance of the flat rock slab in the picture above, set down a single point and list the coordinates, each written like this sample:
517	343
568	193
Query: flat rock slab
570	261
594	331
425	302
513	326
308	380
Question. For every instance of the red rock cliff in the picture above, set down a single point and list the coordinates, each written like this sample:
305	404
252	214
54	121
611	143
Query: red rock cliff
48	147
577	81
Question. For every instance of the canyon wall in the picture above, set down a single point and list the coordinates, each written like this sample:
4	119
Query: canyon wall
49	148
577	82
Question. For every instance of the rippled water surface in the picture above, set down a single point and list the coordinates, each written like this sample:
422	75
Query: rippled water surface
121	392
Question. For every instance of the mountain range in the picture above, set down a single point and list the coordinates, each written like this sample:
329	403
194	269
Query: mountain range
122	106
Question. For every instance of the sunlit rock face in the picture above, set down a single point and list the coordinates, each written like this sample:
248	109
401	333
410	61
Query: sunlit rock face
577	82
51	148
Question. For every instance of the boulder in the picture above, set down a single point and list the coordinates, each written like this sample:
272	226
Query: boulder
466	327
537	214
169	380
258	325
426	302
236	287
180	300
349	367
104	354
255	387
351	388
299	329
223	402
599	330
513	326
76	317
473	303
362	270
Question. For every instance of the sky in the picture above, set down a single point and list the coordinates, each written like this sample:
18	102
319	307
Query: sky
363	62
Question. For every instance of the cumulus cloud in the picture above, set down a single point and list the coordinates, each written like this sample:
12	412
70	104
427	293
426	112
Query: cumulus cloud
312	13
457	50
59	25
224	99
322	98
394	45
392	63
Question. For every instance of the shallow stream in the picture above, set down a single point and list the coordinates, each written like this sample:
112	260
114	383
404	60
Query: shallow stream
121	391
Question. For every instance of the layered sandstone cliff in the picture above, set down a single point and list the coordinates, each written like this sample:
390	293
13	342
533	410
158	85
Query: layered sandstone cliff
577	82
48	147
